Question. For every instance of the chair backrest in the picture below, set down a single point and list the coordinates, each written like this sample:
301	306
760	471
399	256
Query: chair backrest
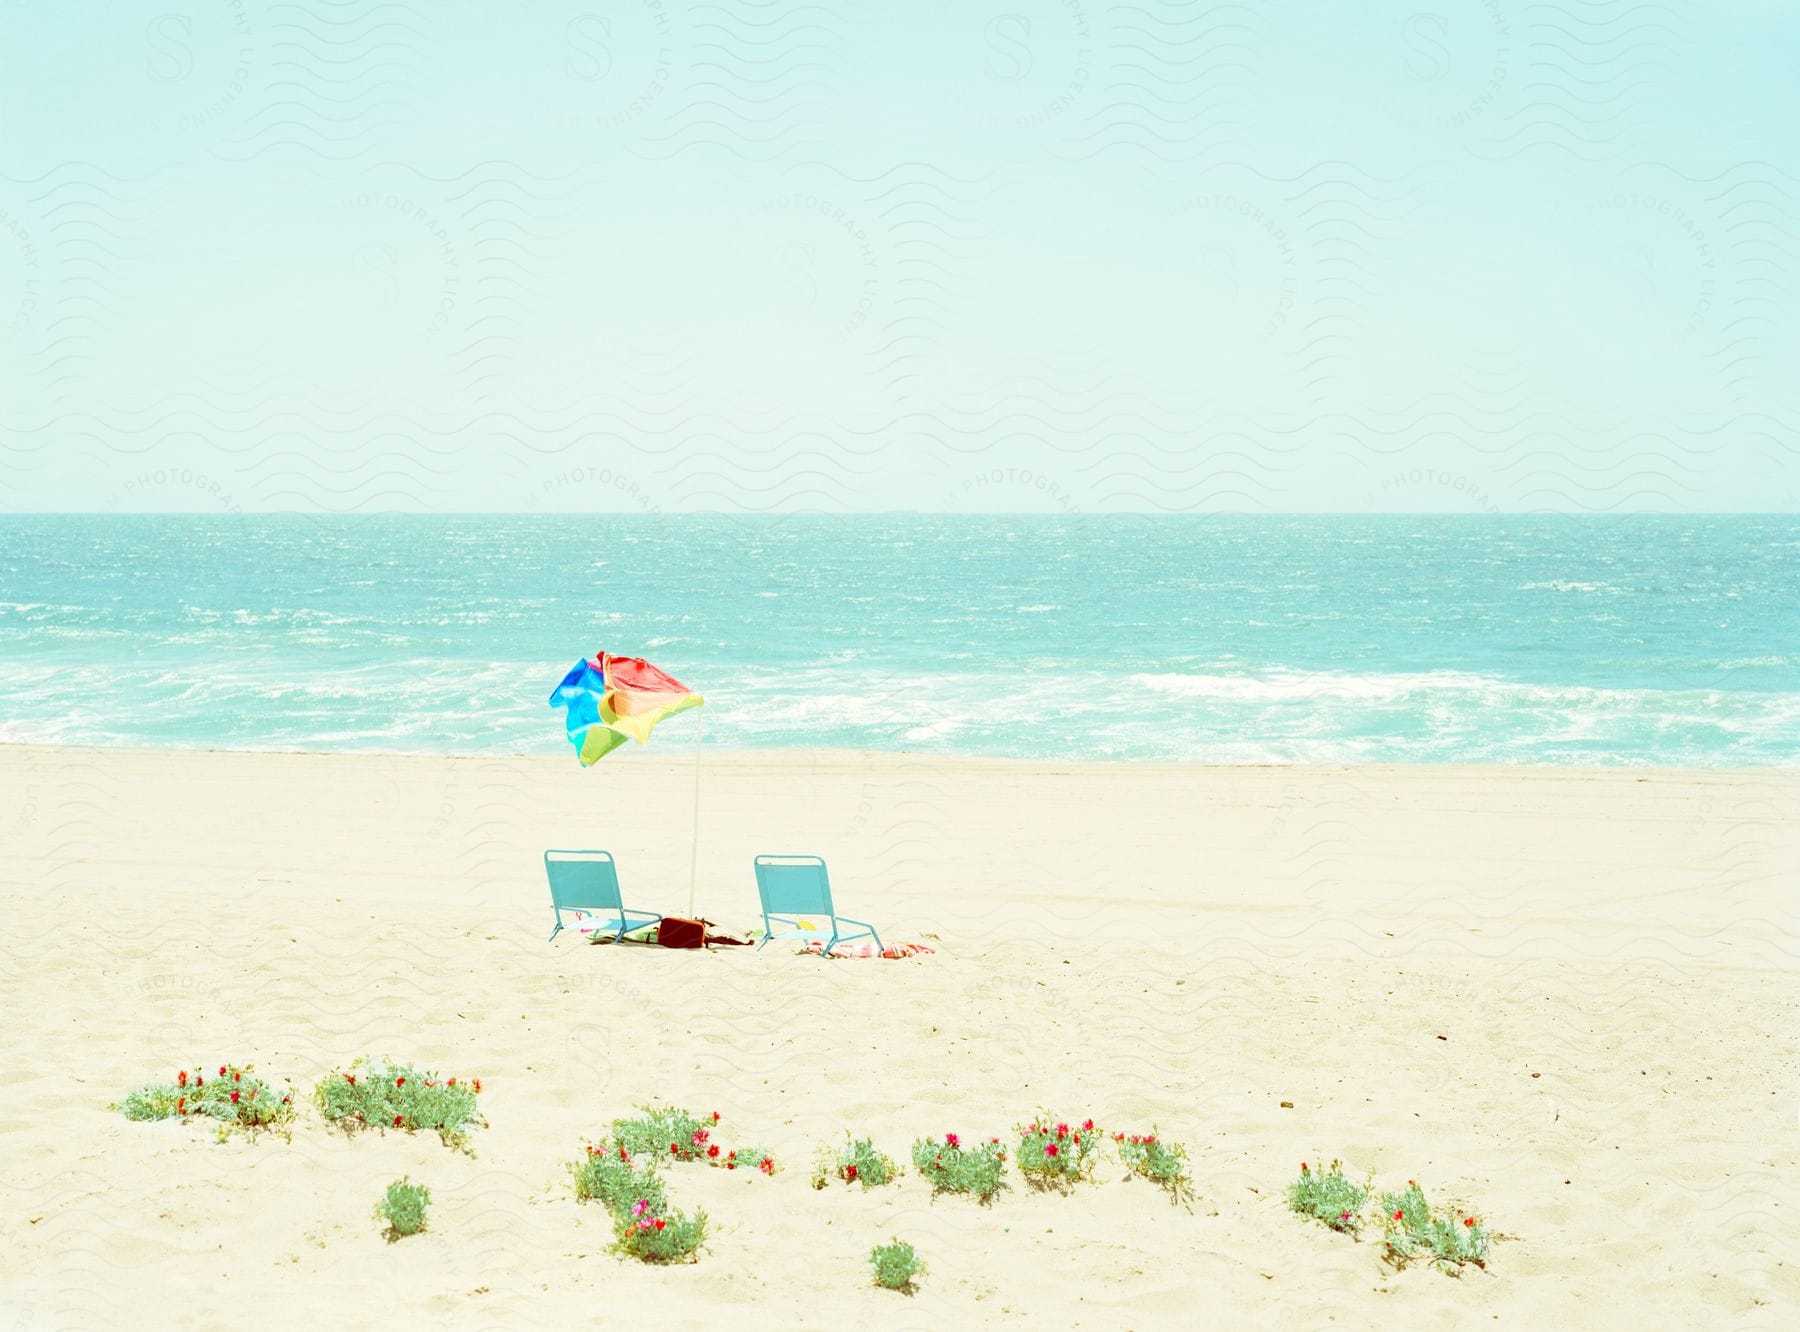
793	885
583	879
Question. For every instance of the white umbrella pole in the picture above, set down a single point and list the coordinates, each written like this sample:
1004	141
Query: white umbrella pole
694	857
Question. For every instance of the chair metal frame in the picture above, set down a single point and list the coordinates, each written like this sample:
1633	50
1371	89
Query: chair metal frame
787	903
589	902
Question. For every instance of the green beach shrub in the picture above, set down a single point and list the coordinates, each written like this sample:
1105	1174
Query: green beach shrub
608	1174
403	1208
665	1134
644	1225
384	1095
1162	1163
233	1098
759	1156
671	1133
953	1168
1055	1155
896	1266
855	1162
654	1236
1328	1197
1413	1231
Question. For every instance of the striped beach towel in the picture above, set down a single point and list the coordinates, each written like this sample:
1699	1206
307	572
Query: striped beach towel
867	949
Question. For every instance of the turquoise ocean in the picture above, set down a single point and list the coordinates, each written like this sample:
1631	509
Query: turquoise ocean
1329	638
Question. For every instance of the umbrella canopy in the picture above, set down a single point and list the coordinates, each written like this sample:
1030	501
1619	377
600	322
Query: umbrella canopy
610	700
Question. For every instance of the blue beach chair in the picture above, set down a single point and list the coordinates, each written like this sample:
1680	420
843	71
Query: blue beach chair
587	883
796	886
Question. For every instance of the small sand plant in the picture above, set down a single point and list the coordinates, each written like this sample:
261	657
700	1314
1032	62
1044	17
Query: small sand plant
644	1225
1057	1155
384	1095
1162	1163
232	1098
659	1235
1412	1232
896	1266
403	1208
1328	1197
607	1174
954	1168
754	1156
855	1162
667	1134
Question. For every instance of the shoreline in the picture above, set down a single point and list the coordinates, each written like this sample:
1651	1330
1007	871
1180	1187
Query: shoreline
666	754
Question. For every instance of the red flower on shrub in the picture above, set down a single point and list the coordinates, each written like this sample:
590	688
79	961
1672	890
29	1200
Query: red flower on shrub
951	1140
181	1106
660	1223
713	1151
1087	1125
181	1078
1469	1221
1399	1212
399	1120
1049	1149
221	1070
399	1082
478	1086
715	1116
850	1174
234	1098
767	1165
350	1078
674	1150
237	1077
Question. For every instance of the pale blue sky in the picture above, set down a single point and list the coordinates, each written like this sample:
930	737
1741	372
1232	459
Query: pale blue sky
1431	254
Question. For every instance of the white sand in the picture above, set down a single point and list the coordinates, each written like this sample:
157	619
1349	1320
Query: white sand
1609	958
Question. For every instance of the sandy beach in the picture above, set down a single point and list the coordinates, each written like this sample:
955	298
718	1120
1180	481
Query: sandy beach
1561	998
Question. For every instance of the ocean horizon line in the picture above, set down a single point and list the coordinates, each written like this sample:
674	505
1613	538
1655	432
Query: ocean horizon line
1059	515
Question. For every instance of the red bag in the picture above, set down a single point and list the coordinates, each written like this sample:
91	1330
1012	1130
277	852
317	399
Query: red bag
680	932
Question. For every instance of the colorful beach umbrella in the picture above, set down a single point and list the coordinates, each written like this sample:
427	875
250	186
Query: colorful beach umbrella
609	700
